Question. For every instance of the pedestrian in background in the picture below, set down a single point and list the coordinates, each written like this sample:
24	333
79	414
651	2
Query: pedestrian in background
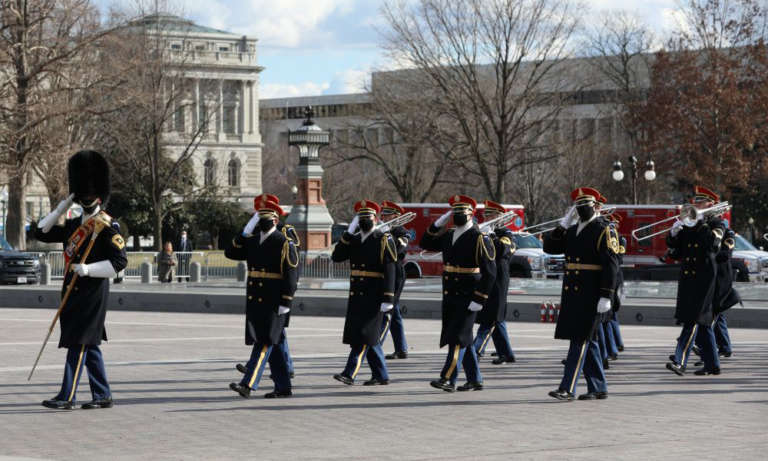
165	262
185	246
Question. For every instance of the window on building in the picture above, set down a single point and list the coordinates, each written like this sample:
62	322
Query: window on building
199	47
30	209
203	115
209	172
224	49
229	119
233	170
175	46
178	122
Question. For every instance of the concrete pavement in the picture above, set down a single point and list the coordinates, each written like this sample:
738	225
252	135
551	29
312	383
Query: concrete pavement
169	373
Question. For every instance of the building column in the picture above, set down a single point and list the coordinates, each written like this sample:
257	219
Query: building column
244	108
220	112
252	106
196	117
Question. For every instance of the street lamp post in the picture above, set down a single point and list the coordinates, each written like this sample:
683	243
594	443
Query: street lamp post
649	175
309	214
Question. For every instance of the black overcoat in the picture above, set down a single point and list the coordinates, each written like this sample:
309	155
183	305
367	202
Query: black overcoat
372	282
469	271
696	248
272	280
400	236
726	295
82	318
590	274
495	310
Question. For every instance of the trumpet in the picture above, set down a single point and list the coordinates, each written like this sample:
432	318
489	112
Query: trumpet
551	224
497	222
401	220
689	215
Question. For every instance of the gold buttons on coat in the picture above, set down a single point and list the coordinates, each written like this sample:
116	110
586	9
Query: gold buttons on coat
250	297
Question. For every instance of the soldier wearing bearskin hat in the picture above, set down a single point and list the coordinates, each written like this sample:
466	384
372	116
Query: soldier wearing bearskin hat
468	275
372	255
589	283
94	253
272	279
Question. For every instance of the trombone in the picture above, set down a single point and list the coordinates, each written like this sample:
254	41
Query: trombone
548	225
401	220
497	222
689	215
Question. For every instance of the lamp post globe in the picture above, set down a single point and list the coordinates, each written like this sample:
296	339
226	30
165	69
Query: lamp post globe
617	174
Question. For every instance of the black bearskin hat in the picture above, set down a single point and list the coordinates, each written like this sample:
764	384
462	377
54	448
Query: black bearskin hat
89	175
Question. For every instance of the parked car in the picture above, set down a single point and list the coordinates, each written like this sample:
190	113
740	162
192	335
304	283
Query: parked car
750	264
17	267
530	261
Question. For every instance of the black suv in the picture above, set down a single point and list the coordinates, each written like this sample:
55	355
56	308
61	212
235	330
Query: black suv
17	267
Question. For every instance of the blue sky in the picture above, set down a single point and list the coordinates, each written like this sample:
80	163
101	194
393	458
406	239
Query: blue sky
312	47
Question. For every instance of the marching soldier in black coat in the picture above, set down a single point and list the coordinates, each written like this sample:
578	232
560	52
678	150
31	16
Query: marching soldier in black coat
696	245
394	320
588	285
468	275
493	317
372	256
290	233
272	277
94	253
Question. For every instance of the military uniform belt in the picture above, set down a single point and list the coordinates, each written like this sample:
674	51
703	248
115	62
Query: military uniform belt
461	270
265	275
584	267
376	275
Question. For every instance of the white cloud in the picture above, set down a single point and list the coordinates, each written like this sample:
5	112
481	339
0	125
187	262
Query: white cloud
286	90
349	81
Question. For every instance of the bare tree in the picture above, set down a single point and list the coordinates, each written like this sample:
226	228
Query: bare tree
494	69
39	41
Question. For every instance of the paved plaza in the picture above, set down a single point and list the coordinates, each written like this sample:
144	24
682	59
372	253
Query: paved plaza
170	371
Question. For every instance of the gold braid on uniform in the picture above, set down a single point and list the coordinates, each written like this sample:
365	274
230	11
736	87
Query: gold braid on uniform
729	242
480	248
386	246
297	241
285	255
611	242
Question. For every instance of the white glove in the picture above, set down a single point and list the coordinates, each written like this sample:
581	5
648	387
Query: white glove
603	306
474	307
353	225
386	307
248	229
622	294
283	310
48	222
565	221
100	269
443	219
676	228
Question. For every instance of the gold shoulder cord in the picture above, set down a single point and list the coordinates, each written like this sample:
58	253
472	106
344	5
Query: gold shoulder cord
285	255
386	246
611	242
296	242
480	248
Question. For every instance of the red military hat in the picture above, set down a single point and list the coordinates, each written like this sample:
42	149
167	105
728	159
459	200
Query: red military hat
602	199
585	194
268	206
367	207
462	202
270	197
490	205
701	193
388	207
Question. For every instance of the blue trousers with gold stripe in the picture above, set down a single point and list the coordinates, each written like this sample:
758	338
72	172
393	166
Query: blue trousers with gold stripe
467	357
688	336
89	357
496	331
584	355
394	323
722	338
282	347
376	361
260	356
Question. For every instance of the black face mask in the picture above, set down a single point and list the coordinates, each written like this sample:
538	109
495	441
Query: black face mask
366	224
89	208
585	212
460	219
266	224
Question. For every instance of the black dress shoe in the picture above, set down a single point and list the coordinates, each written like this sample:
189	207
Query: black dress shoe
606	365
100	403
561	394
594	396
704	372
278	394
620	348
57	404
470	386
672	357
725	354
244	391
344	379
676	368
613	358
503	359
443	384
376	382
397	355
241	368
